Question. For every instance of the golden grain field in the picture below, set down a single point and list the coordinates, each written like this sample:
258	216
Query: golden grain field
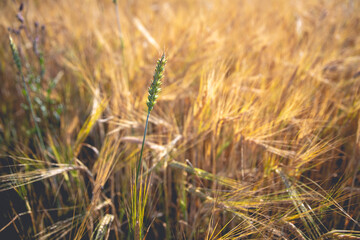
254	135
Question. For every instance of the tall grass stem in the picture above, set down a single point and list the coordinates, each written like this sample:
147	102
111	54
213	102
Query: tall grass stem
17	61
142	149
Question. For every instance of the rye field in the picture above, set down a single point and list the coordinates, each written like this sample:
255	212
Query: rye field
180	119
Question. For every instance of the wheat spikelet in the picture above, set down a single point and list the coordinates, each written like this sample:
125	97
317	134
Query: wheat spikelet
154	88
15	53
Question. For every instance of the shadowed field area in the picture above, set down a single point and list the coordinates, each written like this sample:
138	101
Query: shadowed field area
255	133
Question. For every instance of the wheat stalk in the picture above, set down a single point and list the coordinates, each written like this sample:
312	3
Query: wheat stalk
154	91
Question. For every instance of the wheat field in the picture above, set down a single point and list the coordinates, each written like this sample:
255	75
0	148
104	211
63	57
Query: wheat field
255	133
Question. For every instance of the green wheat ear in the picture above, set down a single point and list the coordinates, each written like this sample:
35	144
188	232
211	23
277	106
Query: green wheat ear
15	53
154	88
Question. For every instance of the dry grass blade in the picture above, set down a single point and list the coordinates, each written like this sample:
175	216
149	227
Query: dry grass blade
146	33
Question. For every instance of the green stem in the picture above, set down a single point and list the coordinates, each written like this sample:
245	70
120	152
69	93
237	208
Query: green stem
18	64
42	145
141	152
